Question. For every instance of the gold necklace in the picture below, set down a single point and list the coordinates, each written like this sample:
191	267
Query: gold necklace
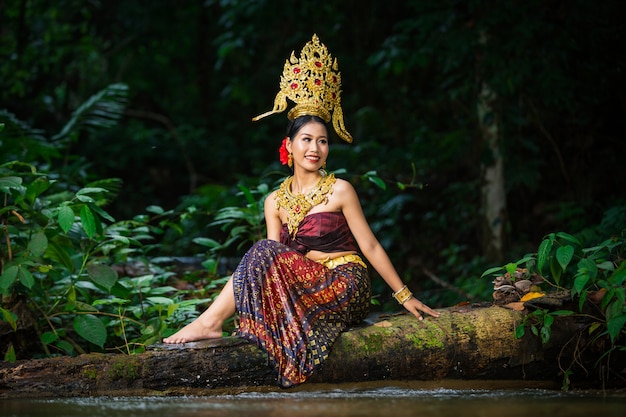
298	206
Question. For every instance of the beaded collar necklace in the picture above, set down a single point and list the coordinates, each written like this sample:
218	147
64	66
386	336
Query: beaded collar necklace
299	205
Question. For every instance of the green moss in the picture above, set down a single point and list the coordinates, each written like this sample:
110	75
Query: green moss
90	373
123	367
373	343
431	337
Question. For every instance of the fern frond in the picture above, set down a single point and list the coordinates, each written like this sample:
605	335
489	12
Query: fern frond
101	111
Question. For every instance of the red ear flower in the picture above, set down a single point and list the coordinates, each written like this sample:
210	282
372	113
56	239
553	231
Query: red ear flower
284	154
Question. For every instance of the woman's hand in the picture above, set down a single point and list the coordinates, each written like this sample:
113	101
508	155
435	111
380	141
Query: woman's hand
416	307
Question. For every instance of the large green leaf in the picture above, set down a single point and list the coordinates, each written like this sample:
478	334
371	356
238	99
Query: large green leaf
90	328
61	254
66	218
564	255
8	277
102	275
100	111
542	253
615	326
36	188
38	244
88	221
6	183
25	277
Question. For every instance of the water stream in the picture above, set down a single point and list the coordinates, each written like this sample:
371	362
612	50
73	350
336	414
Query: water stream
363	400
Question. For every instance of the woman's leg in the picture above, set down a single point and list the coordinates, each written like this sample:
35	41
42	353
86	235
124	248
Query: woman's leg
209	324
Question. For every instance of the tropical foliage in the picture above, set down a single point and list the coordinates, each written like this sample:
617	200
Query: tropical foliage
127	141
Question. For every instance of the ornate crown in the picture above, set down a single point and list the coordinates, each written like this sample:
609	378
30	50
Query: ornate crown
313	82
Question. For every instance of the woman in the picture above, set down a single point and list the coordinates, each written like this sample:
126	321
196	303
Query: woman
297	290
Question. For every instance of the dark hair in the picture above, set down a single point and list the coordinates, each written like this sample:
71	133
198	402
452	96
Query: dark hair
296	124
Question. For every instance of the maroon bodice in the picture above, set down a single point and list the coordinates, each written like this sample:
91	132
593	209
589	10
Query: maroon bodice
325	232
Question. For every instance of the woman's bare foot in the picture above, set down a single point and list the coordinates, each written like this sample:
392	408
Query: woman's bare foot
196	330
209	324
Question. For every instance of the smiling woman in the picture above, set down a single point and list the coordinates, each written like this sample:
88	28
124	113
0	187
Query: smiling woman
299	288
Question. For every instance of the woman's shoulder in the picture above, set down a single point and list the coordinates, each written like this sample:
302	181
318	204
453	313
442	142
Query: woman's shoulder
270	199
343	186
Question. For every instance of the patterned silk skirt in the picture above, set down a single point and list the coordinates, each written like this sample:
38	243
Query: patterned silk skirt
294	308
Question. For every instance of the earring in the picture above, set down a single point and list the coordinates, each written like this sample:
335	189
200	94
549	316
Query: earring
324	165
290	160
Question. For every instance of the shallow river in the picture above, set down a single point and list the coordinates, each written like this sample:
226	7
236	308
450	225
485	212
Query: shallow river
390	399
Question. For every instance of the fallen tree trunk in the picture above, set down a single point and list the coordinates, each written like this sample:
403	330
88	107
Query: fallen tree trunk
465	342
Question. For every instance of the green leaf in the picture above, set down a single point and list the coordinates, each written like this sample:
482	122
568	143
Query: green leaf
247	193
88	221
155	209
25	277
548	320
519	331
38	244
205	241
9	355
65	218
617	278
569	238
102	110
66	346
615	326
555	270
91	190
49	337
543	252
90	328
589	267
8	277
6	183
545	334
102	275
9	317
101	212
564	255
511	268
59	254
379	183
111	301
562	313
580	282
491	271
36	188
160	300
614	309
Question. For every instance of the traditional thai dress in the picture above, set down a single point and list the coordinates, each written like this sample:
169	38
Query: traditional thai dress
293	307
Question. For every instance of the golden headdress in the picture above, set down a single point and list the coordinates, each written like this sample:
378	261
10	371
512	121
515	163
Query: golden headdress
313	82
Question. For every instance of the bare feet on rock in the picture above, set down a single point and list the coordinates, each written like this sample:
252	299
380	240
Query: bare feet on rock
209	324
194	331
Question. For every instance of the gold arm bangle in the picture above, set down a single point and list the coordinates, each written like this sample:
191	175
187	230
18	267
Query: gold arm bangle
403	295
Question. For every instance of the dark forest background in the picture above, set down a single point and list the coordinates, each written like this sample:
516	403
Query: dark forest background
197	71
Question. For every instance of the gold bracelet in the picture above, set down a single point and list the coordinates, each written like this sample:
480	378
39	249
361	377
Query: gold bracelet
403	295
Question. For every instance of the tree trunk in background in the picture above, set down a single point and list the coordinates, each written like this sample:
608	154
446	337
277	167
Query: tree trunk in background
464	343
493	197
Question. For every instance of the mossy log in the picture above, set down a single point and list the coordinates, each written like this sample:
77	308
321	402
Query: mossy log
465	342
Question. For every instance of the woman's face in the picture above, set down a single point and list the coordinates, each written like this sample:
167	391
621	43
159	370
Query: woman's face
309	146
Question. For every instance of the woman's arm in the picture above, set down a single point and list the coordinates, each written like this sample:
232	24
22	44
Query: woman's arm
272	219
371	247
